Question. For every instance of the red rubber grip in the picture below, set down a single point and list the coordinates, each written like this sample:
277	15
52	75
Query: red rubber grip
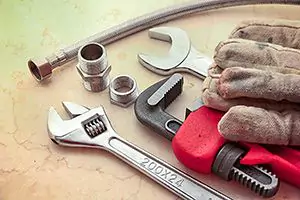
198	141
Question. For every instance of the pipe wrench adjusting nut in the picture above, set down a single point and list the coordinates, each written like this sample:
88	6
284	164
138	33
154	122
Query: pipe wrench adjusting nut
93	67
123	91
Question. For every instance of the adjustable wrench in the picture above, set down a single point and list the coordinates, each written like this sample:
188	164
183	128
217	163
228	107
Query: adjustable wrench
182	56
91	128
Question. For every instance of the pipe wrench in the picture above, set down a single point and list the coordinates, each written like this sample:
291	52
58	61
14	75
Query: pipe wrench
91	128
217	155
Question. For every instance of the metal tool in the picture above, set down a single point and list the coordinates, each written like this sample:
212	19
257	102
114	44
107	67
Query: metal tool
91	128
126	97
182	56
150	106
150	110
258	179
195	105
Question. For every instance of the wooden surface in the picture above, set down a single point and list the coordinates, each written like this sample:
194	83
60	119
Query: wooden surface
31	166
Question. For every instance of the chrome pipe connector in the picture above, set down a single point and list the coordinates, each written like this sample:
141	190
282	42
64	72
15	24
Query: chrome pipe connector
123	91
93	67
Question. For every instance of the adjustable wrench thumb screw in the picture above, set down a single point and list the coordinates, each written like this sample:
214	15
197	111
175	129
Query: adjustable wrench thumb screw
91	128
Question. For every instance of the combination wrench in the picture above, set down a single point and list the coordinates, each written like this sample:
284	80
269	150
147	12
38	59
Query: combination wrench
91	128
182	56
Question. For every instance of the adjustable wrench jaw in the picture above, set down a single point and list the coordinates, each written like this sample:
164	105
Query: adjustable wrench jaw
78	131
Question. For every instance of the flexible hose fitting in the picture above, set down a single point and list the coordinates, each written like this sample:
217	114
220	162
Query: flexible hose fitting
41	69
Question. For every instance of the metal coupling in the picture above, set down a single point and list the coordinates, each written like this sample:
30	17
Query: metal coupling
93	67
123	91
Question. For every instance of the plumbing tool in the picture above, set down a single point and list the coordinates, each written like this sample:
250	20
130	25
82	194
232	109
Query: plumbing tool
182	56
198	141
150	106
91	128
41	69
150	110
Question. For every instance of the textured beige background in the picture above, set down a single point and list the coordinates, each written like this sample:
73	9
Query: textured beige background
31	167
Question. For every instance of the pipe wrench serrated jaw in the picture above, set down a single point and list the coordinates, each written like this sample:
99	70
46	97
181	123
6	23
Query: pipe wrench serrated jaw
85	128
151	104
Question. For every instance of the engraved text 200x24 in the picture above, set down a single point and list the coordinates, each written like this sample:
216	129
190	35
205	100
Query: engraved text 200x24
162	172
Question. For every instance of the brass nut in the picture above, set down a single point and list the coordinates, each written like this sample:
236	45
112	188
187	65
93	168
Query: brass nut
40	69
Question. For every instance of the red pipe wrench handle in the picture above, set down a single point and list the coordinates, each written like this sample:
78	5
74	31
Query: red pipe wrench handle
198	141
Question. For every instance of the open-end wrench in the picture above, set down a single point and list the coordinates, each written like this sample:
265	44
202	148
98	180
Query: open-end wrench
182	55
91	128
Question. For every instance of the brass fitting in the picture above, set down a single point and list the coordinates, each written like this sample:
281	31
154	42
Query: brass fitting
40	69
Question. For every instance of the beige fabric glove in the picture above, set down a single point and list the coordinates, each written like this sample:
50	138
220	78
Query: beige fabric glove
255	77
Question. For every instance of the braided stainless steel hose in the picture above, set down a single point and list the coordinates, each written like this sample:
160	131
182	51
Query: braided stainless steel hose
41	69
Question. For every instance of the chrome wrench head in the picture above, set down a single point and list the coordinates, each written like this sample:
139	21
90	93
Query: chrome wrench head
86	128
178	52
182	56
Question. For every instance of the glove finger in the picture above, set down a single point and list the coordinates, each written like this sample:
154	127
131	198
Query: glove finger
240	82
250	54
282	32
257	125
211	98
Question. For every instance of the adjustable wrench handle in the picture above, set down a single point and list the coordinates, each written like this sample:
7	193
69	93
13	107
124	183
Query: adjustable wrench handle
171	178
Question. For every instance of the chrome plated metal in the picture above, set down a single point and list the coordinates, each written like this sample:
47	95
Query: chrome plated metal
92	129
93	67
129	94
182	56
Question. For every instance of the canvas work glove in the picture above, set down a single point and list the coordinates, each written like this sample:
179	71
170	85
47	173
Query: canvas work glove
255	78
